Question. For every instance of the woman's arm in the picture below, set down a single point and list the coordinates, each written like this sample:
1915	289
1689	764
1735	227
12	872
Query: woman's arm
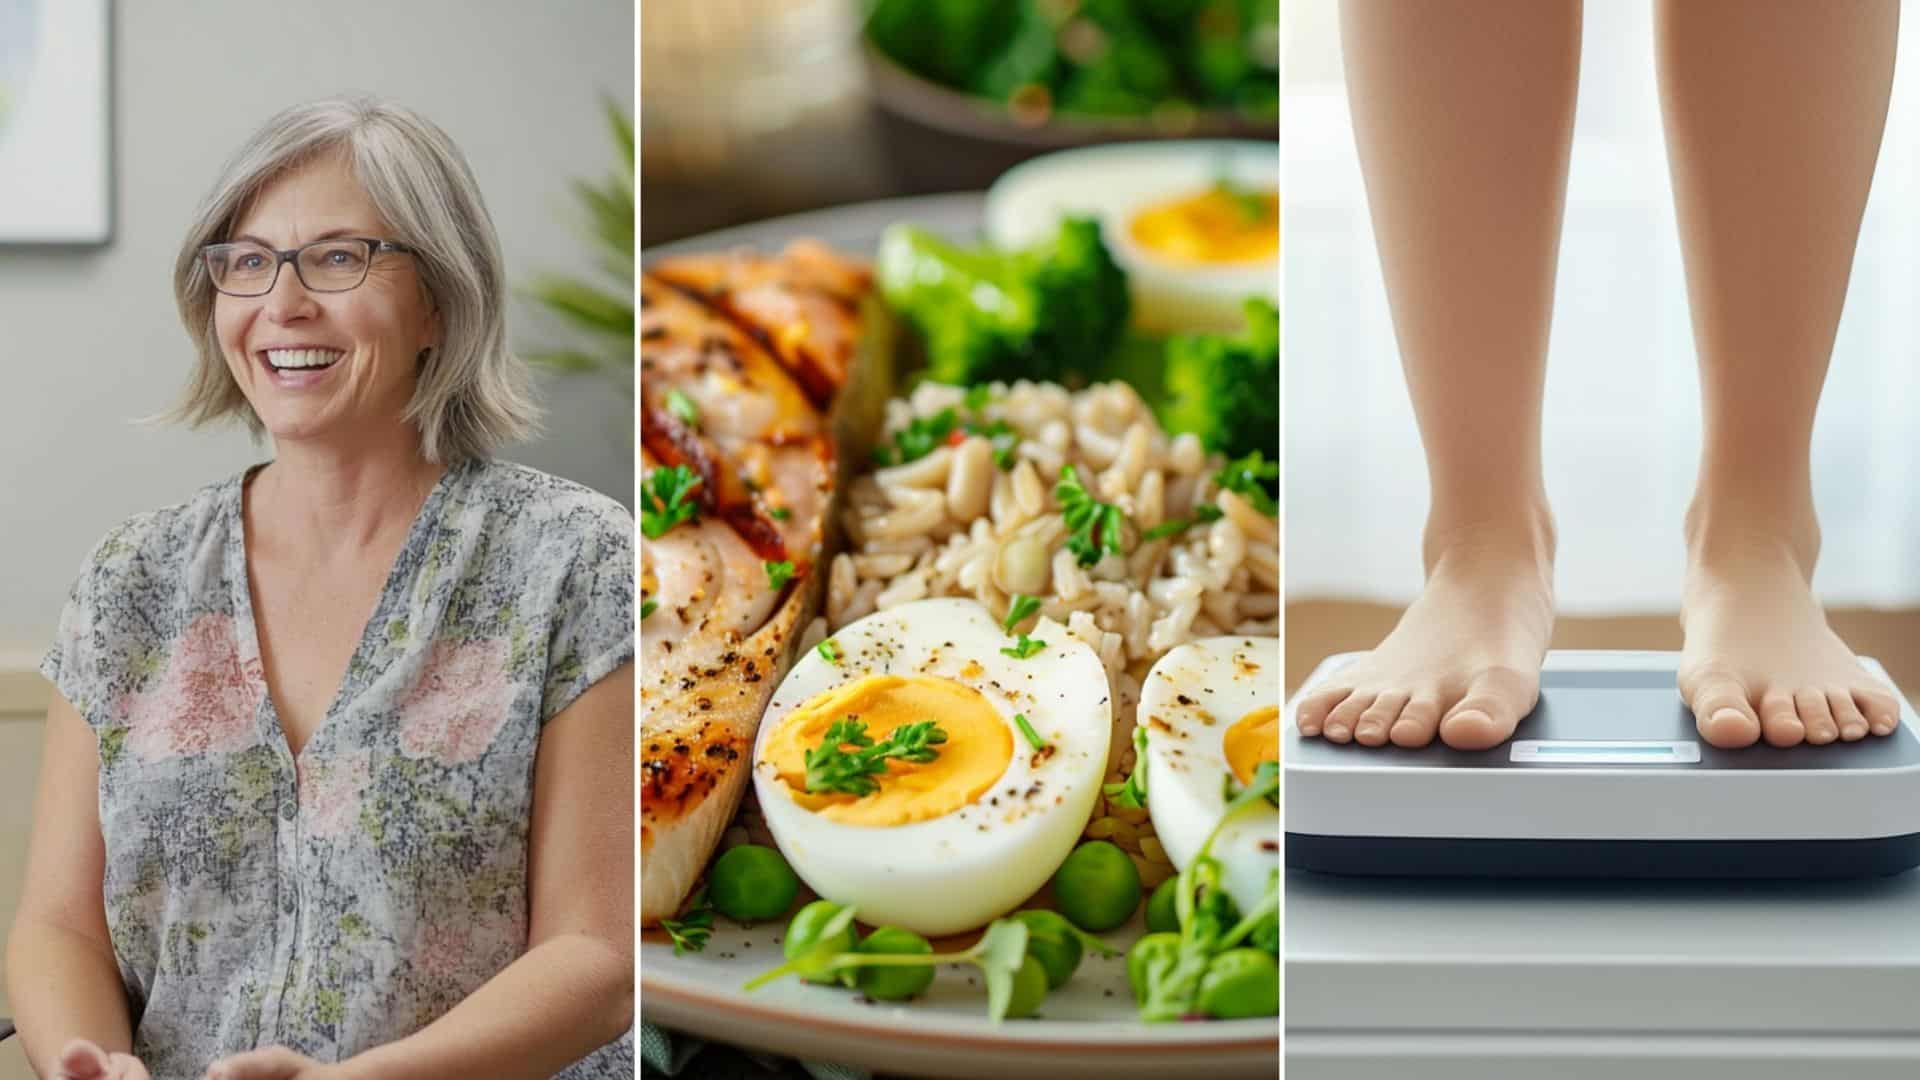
573	990
62	977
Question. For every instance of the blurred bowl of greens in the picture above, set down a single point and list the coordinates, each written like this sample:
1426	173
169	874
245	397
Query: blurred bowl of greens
965	89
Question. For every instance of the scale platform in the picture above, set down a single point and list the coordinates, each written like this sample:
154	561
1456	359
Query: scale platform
1607	777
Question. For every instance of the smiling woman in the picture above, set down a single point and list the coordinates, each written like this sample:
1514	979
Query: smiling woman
300	814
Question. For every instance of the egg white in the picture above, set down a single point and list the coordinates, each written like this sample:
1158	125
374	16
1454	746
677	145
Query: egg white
1113	183
1190	699
961	870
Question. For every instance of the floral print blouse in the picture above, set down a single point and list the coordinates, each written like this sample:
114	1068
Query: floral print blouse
351	896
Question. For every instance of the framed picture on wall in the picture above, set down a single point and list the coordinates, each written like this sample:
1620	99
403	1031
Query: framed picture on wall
56	122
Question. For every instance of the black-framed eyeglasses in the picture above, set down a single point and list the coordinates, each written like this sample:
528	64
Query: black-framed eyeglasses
337	265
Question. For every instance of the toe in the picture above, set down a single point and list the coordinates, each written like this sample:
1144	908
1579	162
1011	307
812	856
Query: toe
1486	717
1846	716
1880	708
1780	722
1812	707
1417	724
1723	712
1378	719
1346	716
1311	716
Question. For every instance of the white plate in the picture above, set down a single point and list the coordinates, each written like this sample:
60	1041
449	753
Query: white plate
1086	1028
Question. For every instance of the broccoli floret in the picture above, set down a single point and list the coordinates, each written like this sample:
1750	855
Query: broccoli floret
985	314
1226	389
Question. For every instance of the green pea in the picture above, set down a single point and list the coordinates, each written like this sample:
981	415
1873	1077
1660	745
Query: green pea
1097	887
1147	953
1029	988
1161	915
752	882
893	983
1051	940
803	933
1239	983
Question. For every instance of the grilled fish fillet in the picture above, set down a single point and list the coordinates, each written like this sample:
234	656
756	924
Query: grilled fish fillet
764	376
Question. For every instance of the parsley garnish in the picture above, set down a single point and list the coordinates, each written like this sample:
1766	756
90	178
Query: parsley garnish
779	513
1203	512
978	396
1017	611
1133	793
918	439
647	607
1249	476
1002	436
1094	526
682	406
829	651
778	574
1020	720
1023	648
690	931
664	502
832	769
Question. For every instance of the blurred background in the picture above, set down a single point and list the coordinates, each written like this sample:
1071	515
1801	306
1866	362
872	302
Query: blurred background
89	339
756	108
1622	425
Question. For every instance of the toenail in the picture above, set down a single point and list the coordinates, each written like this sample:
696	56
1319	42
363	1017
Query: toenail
1335	729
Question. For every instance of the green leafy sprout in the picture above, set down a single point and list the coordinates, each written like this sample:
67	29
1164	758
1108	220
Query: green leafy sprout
691	930
834	769
998	955
1133	793
665	500
1093	526
1172	980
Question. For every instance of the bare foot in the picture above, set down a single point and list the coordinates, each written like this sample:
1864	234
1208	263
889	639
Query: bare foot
1760	660
1464	661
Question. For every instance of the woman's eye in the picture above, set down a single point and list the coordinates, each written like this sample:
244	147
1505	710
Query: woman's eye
249	262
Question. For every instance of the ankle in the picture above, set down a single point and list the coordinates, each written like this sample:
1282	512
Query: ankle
1521	537
1725	528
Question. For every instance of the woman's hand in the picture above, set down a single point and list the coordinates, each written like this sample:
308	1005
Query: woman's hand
272	1063
84	1060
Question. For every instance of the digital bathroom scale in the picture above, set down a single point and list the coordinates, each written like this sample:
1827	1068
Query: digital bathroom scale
1606	777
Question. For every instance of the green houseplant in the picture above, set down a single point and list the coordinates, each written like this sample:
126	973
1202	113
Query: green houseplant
602	309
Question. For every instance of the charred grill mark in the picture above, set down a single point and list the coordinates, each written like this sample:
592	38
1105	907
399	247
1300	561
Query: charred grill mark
674	783
799	363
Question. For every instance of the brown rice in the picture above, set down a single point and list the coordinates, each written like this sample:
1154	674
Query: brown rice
952	524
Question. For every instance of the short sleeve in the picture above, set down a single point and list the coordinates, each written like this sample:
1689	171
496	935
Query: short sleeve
593	625
76	662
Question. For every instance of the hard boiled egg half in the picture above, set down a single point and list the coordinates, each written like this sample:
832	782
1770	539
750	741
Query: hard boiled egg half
1195	224
948	844
1212	710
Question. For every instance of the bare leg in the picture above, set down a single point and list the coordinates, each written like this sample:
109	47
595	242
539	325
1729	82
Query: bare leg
1774	111
1463	113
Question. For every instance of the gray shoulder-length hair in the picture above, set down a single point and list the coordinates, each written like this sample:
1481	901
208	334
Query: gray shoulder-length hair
474	395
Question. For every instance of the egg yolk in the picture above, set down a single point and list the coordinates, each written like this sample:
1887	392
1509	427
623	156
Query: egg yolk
1252	739
1219	226
978	749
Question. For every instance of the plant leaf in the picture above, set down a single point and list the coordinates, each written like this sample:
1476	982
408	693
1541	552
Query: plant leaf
999	954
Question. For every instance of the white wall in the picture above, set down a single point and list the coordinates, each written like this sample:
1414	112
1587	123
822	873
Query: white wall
89	341
1622	408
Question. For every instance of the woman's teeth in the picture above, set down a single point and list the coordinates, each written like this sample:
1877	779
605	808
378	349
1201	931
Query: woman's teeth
282	359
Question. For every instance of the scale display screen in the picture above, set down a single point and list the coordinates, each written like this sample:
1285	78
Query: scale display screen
1600	752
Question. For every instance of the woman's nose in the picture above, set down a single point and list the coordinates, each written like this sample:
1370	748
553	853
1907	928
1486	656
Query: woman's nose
289	299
